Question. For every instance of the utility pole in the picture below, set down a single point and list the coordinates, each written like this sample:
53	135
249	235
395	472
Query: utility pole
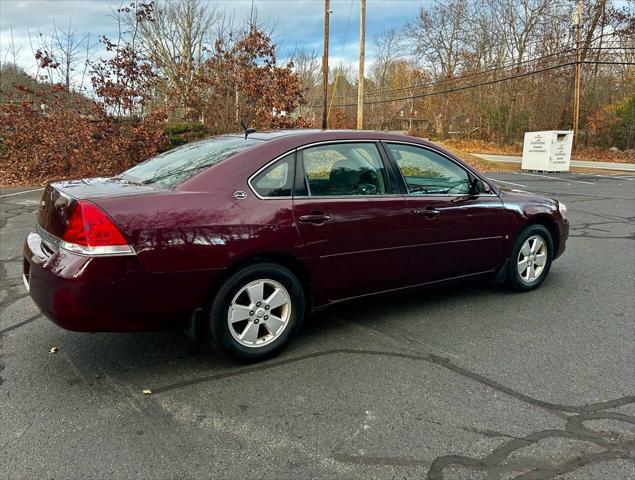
325	63
360	81
578	58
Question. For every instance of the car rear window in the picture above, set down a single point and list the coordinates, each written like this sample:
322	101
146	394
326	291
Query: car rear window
175	166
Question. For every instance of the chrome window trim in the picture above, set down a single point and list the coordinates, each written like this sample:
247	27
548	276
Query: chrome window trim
347	140
425	195
357	140
352	197
254	175
440	153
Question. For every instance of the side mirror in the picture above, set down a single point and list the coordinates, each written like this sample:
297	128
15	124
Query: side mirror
478	186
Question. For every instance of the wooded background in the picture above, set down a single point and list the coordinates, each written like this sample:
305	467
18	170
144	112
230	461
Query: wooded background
464	69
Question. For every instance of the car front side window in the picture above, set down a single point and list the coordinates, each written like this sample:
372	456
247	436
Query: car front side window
429	173
344	169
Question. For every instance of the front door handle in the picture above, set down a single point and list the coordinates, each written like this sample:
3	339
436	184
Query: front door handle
429	212
314	218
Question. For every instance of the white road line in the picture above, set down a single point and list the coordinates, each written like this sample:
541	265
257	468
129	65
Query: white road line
510	183
631	178
555	178
20	193
613	177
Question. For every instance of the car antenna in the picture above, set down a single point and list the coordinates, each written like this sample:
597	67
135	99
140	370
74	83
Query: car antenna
247	130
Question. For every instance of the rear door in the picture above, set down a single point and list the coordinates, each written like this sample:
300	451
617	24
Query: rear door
354	225
454	232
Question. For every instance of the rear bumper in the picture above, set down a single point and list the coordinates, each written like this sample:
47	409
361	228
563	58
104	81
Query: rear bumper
110	293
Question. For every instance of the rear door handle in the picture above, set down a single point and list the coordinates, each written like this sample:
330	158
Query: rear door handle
314	218
428	212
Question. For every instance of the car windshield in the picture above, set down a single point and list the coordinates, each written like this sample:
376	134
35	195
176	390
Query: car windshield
175	166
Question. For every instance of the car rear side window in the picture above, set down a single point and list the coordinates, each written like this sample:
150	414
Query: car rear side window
344	169
175	166
276	180
429	173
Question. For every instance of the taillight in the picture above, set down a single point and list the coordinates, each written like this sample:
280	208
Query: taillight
90	232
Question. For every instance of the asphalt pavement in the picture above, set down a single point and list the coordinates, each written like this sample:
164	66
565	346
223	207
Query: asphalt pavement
463	382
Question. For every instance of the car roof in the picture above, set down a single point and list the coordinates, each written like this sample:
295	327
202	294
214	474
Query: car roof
272	134
301	136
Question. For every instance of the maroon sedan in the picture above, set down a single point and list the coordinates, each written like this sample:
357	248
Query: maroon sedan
243	236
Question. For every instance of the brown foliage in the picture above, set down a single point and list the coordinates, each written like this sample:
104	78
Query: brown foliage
124	82
69	141
74	137
463	147
481	146
338	119
244	82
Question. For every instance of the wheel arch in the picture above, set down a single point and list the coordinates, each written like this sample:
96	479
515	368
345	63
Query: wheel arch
291	262
547	222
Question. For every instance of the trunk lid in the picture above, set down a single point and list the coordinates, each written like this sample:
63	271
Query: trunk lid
59	200
53	215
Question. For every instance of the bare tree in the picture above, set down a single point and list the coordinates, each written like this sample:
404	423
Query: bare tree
12	52
388	49
388	52
173	38
307	65
438	39
71	51
437	36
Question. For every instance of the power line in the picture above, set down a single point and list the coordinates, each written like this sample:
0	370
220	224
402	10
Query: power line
507	66
457	79
481	84
482	72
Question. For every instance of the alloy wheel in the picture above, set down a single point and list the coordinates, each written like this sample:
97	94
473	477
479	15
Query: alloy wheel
259	313
532	259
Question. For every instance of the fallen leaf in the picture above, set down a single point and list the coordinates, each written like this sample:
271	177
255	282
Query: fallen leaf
54	349
147	391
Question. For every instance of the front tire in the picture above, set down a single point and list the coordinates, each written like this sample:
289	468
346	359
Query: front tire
256	312
530	260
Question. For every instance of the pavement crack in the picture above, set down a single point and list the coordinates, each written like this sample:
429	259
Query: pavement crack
487	433
428	358
613	447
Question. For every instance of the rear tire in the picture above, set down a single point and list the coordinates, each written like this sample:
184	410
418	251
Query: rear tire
530	259
256	312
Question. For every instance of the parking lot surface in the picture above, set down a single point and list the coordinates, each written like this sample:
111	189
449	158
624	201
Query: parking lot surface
463	382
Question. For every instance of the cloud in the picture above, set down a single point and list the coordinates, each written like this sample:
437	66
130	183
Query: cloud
26	24
296	23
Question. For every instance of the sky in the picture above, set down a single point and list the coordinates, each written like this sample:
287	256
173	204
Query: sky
298	23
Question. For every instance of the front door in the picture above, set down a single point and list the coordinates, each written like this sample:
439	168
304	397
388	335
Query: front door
454	232
353	226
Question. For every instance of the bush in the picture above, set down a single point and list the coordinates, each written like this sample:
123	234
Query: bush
182	133
180	128
69	142
614	124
